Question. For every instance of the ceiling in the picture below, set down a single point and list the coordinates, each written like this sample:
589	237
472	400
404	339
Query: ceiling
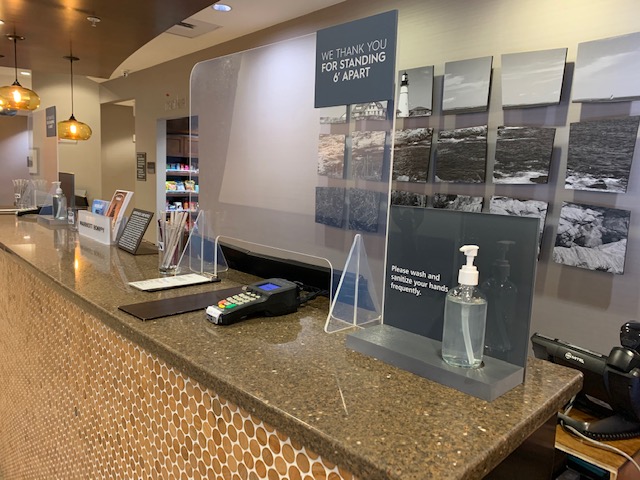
130	35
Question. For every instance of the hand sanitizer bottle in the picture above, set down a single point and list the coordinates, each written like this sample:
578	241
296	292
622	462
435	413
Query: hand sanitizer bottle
59	203
465	316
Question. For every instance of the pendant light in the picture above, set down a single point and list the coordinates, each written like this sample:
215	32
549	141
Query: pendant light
72	129
15	96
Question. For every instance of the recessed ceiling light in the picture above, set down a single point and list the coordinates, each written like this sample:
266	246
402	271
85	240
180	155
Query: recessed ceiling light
1	22
25	73
221	7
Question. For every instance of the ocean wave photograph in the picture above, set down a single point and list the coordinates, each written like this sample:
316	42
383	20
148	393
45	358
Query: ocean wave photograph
600	154
461	155
367	154
523	155
411	154
408	199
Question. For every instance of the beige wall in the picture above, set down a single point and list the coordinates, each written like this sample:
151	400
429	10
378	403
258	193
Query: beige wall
14	148
118	149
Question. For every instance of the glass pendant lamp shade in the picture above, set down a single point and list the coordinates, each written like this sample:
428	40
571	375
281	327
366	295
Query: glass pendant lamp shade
5	111
72	129
15	96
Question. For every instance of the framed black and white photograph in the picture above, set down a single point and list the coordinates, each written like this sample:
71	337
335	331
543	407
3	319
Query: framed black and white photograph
592	237
466	85
608	70
500	205
411	154
600	154
364	209
369	111
331	147
408	199
333	115
532	79
367	154
330	206
462	203
523	155
461	155
415	92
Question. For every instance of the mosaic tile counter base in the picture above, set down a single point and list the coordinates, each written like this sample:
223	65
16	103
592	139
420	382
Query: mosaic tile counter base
80	401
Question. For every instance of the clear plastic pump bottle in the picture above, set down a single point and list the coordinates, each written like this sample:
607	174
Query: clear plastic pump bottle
465	317
59	203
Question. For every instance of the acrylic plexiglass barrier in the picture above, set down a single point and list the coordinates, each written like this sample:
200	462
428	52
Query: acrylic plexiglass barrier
278	173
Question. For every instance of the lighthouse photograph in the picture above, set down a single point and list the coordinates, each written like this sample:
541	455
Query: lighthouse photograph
415	92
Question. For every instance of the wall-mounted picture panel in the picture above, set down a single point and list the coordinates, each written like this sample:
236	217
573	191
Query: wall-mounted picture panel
331	155
408	199
600	154
411	154
532	79
608	70
463	203
592	237
522	208
364	209
466	85
367	154
329	115
461	155
369	111
330	206
415	92
523	155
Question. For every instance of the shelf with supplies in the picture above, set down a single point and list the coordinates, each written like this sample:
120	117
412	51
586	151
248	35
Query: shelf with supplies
173	194
182	173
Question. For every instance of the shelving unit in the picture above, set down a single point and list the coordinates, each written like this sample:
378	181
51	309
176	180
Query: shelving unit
182	171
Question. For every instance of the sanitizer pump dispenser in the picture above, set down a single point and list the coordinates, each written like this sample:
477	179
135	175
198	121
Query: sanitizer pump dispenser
465	317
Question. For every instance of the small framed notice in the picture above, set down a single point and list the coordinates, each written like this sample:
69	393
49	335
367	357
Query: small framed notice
141	166
134	231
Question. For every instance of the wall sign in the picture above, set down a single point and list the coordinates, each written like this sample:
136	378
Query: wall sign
141	166
50	119
355	61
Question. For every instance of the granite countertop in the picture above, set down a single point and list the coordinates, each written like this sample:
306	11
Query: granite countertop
373	419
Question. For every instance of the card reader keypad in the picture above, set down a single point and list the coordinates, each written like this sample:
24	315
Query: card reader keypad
237	300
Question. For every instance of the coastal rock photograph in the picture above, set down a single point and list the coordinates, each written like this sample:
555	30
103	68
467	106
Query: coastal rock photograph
522	208
600	154
367	154
330	206
463	203
592	237
523	155
411	154
364	209
408	199
461	155
331	155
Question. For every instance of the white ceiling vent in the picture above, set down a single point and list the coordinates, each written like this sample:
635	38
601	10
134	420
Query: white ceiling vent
192	28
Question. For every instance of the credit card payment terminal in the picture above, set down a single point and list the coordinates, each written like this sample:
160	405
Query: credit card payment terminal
268	298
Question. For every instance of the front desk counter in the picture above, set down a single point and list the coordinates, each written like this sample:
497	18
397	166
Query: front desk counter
89	391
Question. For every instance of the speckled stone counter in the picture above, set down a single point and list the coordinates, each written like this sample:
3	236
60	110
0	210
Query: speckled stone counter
265	398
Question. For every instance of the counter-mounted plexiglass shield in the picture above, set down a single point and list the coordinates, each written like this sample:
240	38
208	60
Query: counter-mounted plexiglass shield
279	175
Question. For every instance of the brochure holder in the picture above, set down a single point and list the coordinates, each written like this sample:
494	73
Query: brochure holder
355	302
95	227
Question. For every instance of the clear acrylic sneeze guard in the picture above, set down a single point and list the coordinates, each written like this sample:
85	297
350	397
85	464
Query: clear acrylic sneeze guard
279	175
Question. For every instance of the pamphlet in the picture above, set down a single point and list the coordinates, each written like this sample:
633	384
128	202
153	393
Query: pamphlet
99	207
116	209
